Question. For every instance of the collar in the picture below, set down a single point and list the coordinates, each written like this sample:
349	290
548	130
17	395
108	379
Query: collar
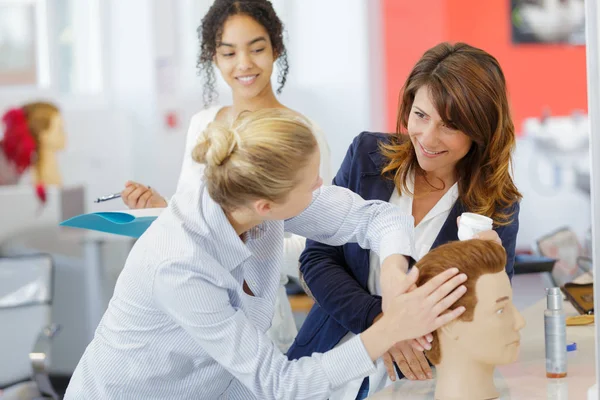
228	248
445	204
255	233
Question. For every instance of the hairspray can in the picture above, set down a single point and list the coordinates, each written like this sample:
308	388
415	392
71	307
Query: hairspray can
555	329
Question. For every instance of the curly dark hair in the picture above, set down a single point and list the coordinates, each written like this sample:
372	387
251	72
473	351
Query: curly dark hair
211	29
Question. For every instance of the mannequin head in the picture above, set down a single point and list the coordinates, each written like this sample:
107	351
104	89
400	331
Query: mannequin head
33	133
487	333
46	126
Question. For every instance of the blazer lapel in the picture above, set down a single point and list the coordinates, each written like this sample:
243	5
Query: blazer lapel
372	185
449	231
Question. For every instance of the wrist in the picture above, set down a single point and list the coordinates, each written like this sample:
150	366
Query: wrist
376	339
393	274
377	318
394	265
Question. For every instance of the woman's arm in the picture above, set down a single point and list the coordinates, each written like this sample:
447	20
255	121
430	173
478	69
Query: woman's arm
293	245
203	309
337	216
327	274
335	289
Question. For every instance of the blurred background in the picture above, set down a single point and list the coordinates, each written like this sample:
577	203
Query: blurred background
123	74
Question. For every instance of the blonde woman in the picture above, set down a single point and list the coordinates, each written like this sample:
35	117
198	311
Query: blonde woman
190	311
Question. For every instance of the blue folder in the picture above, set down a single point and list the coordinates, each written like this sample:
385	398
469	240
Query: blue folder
132	223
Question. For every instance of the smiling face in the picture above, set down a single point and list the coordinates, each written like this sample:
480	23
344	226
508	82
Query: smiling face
439	146
245	57
492	337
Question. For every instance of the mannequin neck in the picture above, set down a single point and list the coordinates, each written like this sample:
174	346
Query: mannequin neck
46	169
461	378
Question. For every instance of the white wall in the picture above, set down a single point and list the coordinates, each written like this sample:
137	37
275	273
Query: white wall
551	198
149	61
330	71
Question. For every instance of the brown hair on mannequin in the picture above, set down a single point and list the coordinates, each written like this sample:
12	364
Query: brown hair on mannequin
473	258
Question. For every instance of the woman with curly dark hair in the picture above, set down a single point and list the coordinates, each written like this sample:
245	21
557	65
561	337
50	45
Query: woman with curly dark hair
243	39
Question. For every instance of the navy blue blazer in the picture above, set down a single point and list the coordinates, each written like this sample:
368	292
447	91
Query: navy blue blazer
337	276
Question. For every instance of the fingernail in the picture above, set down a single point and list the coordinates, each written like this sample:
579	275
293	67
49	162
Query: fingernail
411	377
463	277
454	270
463	288
428	347
429	375
421	376
430	338
393	378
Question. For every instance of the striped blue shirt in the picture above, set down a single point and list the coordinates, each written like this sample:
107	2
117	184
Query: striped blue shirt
180	326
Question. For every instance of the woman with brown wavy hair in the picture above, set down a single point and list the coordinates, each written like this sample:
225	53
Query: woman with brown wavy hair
451	153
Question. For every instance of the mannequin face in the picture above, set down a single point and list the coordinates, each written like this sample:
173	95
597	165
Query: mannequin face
54	137
492	337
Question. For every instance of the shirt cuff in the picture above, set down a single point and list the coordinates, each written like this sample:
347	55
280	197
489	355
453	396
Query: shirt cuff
348	362
395	242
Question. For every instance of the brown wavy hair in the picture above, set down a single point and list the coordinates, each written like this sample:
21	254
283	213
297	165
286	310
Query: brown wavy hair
474	258
468	89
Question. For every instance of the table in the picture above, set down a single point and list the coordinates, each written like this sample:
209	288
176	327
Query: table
526	379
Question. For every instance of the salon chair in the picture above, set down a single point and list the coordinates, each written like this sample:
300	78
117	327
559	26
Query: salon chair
26	331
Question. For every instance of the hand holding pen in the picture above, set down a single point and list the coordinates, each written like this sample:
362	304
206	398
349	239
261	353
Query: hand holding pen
135	195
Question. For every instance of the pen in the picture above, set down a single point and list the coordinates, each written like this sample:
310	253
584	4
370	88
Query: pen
110	197
106	198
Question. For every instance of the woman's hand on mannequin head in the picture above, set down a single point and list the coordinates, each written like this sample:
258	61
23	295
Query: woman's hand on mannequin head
413	314
412	363
421	311
135	196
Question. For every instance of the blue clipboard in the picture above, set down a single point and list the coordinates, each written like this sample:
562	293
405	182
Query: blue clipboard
132	223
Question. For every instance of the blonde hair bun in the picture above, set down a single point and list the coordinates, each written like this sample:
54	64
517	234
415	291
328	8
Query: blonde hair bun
216	144
258	157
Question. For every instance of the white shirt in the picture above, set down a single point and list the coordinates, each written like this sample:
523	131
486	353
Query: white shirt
425	234
180	326
283	331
